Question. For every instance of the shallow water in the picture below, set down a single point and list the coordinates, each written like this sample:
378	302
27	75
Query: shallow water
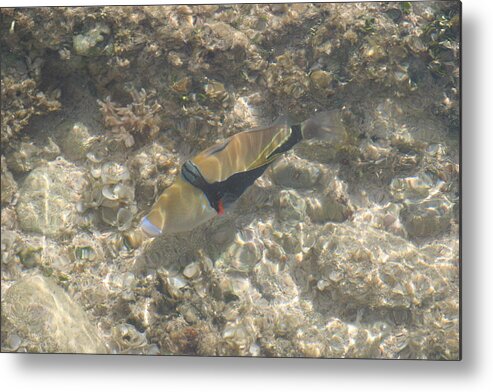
347	247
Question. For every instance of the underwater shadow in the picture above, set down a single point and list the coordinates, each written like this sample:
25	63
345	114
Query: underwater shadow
259	367
470	179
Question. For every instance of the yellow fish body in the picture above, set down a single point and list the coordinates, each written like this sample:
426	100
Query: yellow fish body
215	178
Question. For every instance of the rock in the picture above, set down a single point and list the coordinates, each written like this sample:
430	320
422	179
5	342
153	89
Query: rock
274	283
327	209
76	140
48	197
351	341
428	218
47	319
241	256
332	206
128	339
295	173
24	156
336	143
216	91
321	80
291	206
411	188
94	42
366	278
8	185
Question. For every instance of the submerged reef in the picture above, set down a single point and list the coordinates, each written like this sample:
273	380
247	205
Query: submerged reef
346	247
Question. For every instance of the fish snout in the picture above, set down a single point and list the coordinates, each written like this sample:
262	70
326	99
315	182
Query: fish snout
150	228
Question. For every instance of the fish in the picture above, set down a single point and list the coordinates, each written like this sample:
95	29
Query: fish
212	181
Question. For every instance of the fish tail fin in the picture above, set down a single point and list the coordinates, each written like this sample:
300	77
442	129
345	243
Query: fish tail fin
325	125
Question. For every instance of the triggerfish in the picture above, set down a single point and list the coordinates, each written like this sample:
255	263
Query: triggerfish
214	179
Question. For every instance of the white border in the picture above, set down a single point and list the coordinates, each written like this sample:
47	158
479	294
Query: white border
94	373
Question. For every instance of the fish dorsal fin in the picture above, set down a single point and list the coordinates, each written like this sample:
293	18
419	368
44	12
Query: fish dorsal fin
286	137
265	155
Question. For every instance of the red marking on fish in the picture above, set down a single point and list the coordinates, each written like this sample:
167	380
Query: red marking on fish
220	208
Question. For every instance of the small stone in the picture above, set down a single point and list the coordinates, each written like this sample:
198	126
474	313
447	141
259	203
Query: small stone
328	208
388	220
320	79
215	91
14	342
113	173
241	256
428	218
248	253
92	43
291	206
128	338
411	188
335	276
8	186
76	140
322	284
192	270
183	85
295	173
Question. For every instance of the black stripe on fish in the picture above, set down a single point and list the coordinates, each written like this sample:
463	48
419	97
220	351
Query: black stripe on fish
192	174
218	148
293	139
227	191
